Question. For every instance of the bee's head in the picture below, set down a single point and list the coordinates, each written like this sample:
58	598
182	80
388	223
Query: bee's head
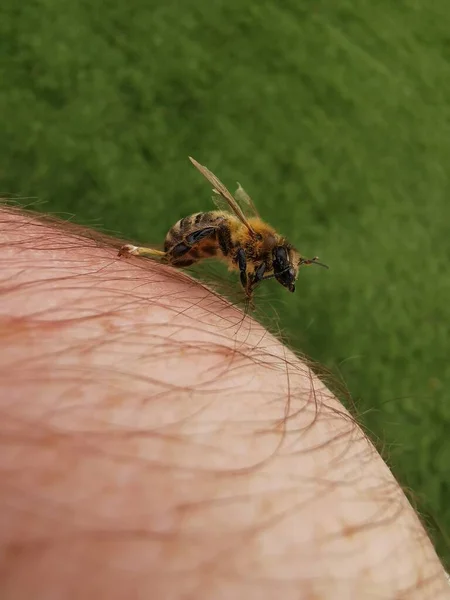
286	262
285	271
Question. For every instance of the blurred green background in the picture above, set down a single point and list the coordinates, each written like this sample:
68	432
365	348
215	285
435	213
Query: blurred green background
335	116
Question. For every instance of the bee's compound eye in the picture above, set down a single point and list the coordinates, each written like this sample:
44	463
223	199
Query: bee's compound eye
280	256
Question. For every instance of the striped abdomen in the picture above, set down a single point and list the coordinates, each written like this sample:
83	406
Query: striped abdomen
193	238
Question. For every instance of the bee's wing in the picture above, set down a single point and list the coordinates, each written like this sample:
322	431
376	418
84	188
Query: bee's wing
220	201
242	198
246	203
220	190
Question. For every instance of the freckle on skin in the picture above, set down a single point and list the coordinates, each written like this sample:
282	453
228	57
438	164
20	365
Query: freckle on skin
348	531
267	507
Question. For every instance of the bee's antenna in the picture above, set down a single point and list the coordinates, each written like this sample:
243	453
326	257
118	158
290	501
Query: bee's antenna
311	261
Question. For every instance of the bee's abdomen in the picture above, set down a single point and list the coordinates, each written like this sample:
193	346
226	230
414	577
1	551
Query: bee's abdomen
193	238
187	225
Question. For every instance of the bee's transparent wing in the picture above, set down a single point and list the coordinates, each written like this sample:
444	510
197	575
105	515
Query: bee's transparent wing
242	198
220	202
221	191
245	202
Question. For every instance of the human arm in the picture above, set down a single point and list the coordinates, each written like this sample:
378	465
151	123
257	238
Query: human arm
158	443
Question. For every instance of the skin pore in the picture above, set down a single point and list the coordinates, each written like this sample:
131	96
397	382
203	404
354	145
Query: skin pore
157	444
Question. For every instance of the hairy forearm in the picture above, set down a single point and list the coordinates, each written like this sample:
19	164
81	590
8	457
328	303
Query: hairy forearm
157	443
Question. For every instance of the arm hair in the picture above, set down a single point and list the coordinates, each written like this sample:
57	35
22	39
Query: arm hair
158	443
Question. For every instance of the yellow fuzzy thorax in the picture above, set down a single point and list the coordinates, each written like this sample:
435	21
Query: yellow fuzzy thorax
241	234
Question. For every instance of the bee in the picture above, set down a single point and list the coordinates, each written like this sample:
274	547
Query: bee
234	233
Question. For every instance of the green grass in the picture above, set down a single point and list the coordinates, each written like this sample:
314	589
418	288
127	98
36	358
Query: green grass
335	116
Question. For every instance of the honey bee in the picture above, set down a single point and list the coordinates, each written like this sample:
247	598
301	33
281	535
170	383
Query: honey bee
234	233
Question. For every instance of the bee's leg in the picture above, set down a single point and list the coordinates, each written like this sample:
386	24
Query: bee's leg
176	253
130	250
255	277
259	276
242	264
196	236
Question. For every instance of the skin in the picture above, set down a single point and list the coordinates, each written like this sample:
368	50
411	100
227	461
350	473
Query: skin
157	444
